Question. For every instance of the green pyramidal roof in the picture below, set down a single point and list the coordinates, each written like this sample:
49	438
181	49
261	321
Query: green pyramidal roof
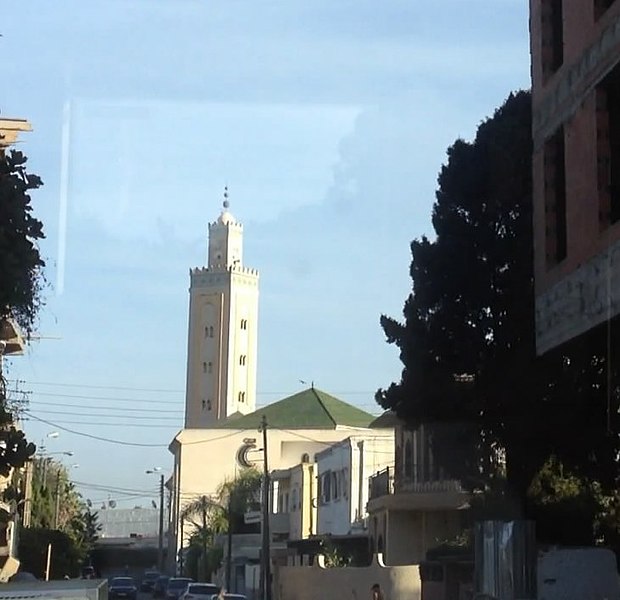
310	409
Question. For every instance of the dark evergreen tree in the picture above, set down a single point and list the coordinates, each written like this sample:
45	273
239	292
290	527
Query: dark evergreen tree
467	342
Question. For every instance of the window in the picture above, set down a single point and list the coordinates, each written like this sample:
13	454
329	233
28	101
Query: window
242	360
408	459
204	367
210	367
241	396
244	323
294	500
326	489
335	486
206	332
555	198
210	331
208	404
204	404
552	30
608	148
600	6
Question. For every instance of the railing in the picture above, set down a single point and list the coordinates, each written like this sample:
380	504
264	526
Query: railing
381	483
439	485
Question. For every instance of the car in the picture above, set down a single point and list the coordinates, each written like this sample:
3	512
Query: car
200	591
176	587
88	572
148	581
228	597
160	585
123	587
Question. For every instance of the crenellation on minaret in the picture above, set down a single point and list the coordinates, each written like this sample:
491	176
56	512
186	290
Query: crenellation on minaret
222	336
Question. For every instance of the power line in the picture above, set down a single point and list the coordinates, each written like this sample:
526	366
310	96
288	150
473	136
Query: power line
98	415
171	391
125	443
101	387
121	408
110	488
99	424
107	398
95	437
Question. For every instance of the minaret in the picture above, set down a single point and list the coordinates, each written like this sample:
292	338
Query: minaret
223	320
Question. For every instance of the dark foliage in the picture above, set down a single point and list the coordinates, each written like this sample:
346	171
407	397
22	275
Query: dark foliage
66	555
467	342
20	262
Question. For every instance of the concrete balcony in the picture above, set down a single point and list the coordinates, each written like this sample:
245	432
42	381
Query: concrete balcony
409	494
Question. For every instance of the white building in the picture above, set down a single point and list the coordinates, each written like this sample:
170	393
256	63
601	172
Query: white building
128	522
343	473
221	434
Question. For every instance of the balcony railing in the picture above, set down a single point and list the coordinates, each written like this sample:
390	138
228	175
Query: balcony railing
382	484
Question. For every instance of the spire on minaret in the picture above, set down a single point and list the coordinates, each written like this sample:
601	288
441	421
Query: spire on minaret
226	203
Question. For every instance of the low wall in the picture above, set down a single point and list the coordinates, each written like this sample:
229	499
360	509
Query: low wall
347	583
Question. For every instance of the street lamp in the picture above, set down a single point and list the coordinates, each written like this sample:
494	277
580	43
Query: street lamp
160	542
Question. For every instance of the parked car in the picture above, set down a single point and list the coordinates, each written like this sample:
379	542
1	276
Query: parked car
160	585
123	587
228	597
176	587
148	581
88	572
200	591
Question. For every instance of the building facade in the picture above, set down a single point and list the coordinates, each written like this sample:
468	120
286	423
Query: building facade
413	506
343	472
575	53
299	427
223	328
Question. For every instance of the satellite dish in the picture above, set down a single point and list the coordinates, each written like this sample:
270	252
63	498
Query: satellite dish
112	503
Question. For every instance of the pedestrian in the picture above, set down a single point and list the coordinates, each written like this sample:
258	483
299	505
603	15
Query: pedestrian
377	592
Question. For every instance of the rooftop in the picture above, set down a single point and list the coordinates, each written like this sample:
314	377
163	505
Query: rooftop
309	409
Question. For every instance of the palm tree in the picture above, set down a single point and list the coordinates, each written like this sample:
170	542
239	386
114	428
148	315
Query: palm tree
209	519
238	496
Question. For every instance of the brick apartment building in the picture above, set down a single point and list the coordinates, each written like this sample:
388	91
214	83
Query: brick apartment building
575	49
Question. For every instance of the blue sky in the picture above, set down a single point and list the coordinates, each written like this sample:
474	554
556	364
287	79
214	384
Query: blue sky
329	122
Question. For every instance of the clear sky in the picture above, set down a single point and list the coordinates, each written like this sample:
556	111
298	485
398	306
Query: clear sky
328	120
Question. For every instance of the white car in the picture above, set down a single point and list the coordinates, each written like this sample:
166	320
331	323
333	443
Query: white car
228	597
200	591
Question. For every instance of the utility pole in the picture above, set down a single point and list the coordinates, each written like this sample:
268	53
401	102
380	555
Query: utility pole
57	493
229	547
265	576
160	544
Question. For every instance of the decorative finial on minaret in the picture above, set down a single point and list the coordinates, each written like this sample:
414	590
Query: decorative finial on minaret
226	203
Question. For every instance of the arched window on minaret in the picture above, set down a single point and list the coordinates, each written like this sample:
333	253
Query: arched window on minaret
242	360
241	396
204	367
210	367
210	331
